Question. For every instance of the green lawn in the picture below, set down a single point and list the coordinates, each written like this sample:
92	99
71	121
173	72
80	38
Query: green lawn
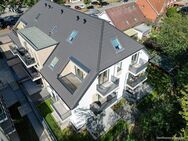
67	134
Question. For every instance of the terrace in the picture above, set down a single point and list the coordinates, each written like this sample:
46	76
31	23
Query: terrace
103	103
70	81
138	67
108	87
24	56
135	81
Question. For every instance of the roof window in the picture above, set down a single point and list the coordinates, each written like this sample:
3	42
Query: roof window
72	36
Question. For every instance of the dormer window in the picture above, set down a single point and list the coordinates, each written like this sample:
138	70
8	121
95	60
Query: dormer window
116	44
72	36
53	63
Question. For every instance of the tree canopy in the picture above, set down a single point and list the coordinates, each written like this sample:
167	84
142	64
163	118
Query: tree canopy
172	34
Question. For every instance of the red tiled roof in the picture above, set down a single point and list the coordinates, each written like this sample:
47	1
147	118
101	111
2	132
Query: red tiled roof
126	16
152	8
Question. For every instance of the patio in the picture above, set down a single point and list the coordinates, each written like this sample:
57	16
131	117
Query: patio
100	124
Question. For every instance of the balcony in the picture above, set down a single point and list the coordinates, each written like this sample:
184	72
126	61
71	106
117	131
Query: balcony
134	81
138	67
24	56
60	109
3	115
70	81
108	87
99	106
33	73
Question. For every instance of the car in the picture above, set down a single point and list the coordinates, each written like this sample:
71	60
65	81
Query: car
67	6
90	7
95	3
77	7
82	6
104	3
19	11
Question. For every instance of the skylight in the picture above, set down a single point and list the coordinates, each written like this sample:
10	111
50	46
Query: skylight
53	63
72	36
116	44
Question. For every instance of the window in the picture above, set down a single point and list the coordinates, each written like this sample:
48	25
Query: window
103	77
134	58
72	36
116	44
119	66
53	63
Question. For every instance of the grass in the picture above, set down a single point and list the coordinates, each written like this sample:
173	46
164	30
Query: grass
67	134
22	124
115	132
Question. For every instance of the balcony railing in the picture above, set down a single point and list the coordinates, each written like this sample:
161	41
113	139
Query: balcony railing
60	110
108	87
23	54
99	106
133	81
33	73
136	68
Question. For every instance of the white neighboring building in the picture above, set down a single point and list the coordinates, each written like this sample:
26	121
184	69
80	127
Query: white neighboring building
85	63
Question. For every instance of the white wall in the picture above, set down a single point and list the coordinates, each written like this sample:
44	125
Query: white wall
105	17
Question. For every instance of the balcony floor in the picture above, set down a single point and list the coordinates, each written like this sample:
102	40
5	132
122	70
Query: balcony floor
71	82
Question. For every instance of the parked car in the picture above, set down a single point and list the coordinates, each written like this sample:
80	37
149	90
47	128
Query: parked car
66	5
90	7
19	11
78	7
104	3
95	3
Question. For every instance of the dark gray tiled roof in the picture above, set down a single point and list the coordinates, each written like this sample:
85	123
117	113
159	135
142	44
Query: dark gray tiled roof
92	47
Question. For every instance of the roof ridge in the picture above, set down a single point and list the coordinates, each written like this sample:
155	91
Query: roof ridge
100	47
154	8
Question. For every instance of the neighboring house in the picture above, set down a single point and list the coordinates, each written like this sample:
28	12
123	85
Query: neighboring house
125	17
153	8
84	62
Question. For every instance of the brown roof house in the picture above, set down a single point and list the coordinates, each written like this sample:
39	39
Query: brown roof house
153	8
125	17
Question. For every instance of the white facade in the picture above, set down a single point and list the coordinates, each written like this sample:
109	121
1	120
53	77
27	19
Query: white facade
92	94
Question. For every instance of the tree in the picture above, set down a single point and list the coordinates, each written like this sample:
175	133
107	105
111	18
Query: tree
59	1
172	35
171	11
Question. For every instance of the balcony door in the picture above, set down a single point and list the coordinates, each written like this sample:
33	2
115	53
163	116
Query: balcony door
79	73
134	58
103	77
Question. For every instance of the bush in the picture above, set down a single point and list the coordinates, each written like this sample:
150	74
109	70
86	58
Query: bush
171	12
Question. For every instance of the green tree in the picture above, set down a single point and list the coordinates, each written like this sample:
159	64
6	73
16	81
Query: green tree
171	12
59	1
172	35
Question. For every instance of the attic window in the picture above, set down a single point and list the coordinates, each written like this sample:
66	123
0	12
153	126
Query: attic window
116	44
53	63
72	36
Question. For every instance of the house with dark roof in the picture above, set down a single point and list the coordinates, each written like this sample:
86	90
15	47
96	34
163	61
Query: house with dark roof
125	17
83	62
153	8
